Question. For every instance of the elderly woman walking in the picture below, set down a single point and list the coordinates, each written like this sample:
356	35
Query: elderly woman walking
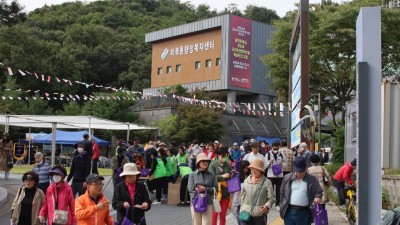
60	202
131	198
28	201
257	196
203	182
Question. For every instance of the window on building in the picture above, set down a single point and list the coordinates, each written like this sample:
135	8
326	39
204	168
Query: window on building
197	65
218	62
178	68
169	69
159	70
208	63
354	126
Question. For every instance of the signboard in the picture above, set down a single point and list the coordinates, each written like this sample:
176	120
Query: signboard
295	117
295	137
240	52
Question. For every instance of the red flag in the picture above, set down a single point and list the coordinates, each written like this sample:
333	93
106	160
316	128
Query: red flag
48	79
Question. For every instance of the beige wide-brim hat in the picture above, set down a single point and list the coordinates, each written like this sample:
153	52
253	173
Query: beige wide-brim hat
129	169
202	157
257	164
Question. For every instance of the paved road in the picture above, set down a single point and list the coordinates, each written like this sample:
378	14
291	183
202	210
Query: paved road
159	214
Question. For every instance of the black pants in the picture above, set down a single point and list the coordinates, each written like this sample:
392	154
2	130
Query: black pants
276	183
259	220
77	187
43	186
339	187
183	192
94	165
160	184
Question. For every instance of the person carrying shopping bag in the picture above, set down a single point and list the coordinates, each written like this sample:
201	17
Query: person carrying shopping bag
60	202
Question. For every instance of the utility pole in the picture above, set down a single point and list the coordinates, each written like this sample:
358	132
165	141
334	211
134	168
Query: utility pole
319	122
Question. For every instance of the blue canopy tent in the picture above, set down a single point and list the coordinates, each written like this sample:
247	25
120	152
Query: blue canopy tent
269	140
67	138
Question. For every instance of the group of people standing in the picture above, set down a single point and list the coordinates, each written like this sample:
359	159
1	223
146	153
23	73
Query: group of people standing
292	181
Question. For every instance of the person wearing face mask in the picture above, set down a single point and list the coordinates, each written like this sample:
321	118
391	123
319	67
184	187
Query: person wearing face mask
275	158
58	197
222	170
43	169
80	169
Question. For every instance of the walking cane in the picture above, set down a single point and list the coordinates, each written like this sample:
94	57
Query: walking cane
107	183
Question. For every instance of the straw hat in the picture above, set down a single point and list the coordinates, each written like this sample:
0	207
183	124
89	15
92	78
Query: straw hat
202	157
129	169
257	164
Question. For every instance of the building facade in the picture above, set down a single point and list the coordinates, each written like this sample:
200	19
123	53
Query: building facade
221	55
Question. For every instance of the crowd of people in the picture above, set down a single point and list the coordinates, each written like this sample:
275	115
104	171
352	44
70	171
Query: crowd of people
250	179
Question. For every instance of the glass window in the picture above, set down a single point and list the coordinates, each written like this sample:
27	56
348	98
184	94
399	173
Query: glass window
178	68
169	69
197	65
208	63
159	70
218	62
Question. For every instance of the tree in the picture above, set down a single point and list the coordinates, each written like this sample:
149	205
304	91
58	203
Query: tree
332	52
261	14
11	14
168	126
199	123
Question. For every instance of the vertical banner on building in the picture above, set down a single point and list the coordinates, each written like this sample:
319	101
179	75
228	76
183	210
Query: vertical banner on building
240	52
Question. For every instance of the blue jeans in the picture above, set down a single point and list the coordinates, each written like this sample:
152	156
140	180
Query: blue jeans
298	216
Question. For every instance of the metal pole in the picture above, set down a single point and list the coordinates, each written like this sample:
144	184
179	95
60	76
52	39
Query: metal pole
29	147
53	144
319	122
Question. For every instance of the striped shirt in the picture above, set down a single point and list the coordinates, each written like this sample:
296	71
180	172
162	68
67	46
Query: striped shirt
43	169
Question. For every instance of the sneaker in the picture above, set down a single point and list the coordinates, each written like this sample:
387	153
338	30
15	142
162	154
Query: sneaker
164	199
187	204
181	204
155	202
278	208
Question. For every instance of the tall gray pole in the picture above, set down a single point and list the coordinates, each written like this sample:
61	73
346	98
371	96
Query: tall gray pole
368	42
53	143
319	122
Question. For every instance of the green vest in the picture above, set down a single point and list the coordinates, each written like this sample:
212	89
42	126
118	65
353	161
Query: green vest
182	159
160	169
168	168
174	164
184	170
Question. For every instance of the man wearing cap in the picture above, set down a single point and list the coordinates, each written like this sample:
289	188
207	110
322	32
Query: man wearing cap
80	169
92	207
43	169
298	192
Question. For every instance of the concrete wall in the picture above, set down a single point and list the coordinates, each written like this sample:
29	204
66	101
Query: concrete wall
392	183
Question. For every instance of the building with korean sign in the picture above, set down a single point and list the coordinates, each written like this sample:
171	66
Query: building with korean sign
220	55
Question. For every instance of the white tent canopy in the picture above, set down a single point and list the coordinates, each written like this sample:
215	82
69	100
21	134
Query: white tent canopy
67	122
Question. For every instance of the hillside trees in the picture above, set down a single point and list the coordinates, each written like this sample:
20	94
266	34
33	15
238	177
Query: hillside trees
332	52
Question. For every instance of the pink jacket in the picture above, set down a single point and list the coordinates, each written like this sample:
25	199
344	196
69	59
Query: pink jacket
66	201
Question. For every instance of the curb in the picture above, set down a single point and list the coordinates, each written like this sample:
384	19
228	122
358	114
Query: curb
3	195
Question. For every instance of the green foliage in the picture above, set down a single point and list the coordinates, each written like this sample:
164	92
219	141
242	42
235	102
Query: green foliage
261	14
176	89
385	198
333	168
198	123
338	149
332	52
168	126
11	14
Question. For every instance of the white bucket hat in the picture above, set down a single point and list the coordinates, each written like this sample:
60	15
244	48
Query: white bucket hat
129	169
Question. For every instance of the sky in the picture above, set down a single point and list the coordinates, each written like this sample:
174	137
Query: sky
280	6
